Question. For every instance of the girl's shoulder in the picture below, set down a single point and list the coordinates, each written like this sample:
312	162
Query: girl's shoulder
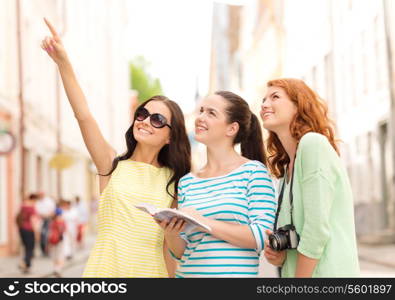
316	153
312	139
255	167
313	143
254	164
185	178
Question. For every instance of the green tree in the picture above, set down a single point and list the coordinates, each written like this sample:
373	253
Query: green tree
142	81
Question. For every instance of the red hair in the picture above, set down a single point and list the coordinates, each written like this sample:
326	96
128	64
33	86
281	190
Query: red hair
311	116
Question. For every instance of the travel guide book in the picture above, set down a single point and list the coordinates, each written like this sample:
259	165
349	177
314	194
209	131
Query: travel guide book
169	213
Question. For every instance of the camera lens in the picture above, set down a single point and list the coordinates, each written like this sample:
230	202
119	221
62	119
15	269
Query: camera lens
278	241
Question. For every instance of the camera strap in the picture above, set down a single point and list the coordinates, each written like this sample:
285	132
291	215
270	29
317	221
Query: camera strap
280	197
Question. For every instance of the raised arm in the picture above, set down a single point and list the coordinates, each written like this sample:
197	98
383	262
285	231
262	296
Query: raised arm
100	151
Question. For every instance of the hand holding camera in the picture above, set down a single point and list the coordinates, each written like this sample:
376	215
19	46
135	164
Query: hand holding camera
284	238
275	258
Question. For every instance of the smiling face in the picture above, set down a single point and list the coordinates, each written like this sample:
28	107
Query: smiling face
211	125
146	134
277	110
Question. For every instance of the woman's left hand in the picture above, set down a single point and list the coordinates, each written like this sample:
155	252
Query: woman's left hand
172	228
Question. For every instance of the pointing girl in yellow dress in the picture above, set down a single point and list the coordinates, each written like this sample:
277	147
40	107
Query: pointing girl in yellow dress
129	242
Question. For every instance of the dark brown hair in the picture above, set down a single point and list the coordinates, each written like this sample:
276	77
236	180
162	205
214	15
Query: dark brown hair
176	155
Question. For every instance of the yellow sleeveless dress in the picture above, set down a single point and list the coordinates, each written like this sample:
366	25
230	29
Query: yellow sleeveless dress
129	243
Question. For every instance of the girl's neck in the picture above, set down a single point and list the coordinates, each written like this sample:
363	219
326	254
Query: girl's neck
222	158
290	144
145	154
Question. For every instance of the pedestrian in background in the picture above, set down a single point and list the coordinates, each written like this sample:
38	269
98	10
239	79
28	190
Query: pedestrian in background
82	215
315	194
45	209
70	217
28	222
57	229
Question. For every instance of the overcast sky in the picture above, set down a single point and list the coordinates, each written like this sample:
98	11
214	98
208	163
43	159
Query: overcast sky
175	36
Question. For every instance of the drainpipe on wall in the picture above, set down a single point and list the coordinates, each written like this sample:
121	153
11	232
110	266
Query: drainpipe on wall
22	187
389	32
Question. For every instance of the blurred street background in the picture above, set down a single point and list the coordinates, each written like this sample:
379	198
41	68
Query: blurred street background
125	51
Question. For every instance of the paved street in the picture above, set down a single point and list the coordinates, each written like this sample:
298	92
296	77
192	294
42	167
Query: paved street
74	270
375	261
368	269
43	267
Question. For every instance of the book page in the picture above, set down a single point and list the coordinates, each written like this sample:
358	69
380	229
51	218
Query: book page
169	213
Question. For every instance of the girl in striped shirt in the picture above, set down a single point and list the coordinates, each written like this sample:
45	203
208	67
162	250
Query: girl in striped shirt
233	194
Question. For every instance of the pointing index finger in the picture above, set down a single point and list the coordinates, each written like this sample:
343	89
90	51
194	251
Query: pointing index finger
51	28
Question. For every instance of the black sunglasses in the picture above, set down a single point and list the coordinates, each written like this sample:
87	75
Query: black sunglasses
156	120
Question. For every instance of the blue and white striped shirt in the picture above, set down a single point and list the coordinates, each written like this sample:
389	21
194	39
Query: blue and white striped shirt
244	196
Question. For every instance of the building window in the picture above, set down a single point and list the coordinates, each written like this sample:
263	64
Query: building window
346	90
364	59
377	51
358	145
329	83
314	78
353	81
350	4
380	53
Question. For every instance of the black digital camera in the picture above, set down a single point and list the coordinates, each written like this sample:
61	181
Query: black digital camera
284	238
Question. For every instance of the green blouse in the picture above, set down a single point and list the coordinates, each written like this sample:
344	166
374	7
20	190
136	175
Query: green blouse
323	211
